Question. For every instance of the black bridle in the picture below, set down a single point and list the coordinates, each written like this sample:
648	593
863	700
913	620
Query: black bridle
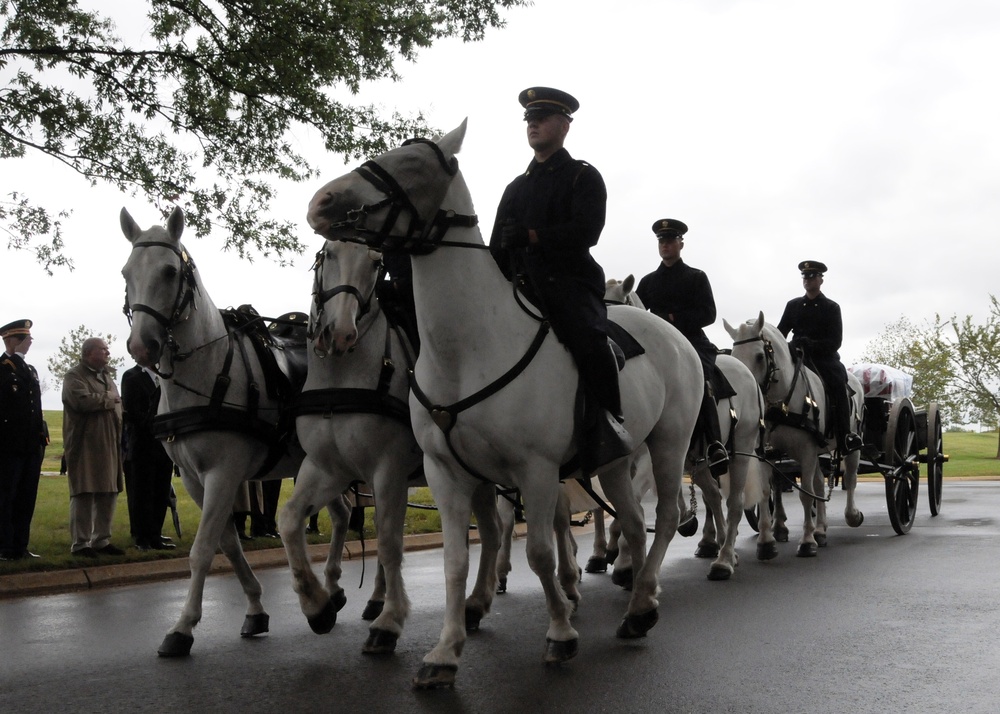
185	298
321	296
421	236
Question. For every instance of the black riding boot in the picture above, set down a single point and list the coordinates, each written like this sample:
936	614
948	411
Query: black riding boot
603	438
847	440
708	427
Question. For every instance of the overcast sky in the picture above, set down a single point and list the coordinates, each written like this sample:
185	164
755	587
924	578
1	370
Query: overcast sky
861	133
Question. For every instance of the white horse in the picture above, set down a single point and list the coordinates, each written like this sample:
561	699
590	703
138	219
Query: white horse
494	394
216	409
741	420
798	393
354	425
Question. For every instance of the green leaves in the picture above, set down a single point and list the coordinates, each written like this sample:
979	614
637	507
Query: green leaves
199	108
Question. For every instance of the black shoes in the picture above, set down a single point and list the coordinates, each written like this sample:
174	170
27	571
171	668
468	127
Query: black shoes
718	459
158	544
109	549
85	553
605	443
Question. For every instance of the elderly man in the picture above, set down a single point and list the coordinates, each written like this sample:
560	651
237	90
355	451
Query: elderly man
23	438
548	219
92	437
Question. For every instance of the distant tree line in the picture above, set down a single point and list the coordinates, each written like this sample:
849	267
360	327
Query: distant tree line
954	361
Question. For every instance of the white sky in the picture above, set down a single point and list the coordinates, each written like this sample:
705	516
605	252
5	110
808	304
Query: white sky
862	133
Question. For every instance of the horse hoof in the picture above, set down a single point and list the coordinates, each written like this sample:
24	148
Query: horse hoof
707	550
855	521
820	539
501	586
767	551
339	600
622	577
719	572
176	644
597	564
635	626
380	642
781	534
372	610
611	556
325	620
255	625
689	527
472	619
435	676
557	651
807	550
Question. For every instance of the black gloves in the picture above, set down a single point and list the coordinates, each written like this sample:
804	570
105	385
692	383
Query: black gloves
512	235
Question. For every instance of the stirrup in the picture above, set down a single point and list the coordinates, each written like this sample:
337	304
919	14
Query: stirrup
718	459
852	443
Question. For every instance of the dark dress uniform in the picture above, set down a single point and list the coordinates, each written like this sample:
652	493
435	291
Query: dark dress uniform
818	331
148	468
23	438
563	201
685	293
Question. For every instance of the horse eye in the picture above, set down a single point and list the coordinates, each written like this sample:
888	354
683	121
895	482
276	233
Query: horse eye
170	272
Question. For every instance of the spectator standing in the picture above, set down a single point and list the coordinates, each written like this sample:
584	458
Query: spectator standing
92	436
23	437
148	468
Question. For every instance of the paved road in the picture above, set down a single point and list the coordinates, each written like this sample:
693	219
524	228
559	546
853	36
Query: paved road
876	623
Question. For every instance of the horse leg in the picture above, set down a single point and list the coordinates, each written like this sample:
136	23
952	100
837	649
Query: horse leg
641	611
390	518
708	546
812	479
598	561
540	503
766	547
313	486
505	511
376	601
485	508
454	502
780	520
216	502
852	514
568	567
725	564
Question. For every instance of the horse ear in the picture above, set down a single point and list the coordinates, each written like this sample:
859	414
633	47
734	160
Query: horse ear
759	324
628	283
175	224
451	143
733	332
129	226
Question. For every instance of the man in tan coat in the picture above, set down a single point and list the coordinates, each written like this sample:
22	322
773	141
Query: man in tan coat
92	436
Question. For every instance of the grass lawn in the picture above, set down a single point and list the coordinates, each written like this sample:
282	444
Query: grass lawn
970	455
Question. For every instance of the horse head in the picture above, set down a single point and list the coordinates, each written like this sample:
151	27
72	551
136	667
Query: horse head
160	286
343	293
762	349
391	202
619	292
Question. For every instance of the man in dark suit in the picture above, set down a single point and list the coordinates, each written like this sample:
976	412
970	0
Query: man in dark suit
817	332
682	295
23	437
548	219
147	467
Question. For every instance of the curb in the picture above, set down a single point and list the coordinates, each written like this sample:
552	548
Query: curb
105	576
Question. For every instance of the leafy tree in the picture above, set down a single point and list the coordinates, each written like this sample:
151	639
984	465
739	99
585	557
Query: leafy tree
199	108
956	359
70	349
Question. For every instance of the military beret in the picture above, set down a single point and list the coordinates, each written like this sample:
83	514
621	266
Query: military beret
669	227
812	267
17	328
542	101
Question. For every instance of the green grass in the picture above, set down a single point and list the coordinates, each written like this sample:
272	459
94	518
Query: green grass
970	455
50	526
